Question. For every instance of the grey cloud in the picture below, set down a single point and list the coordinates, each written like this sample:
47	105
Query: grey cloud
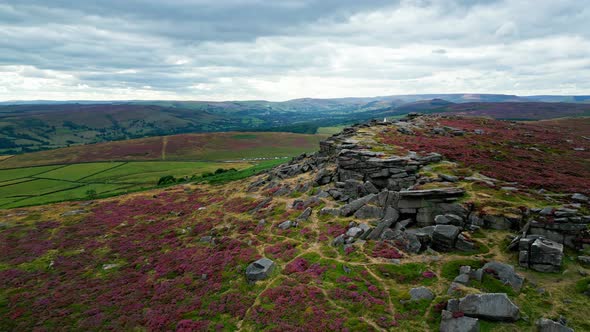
195	49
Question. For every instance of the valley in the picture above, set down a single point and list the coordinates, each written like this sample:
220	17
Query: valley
31	127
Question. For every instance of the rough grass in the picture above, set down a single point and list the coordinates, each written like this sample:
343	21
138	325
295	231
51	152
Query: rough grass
241	174
451	268
329	130
184	147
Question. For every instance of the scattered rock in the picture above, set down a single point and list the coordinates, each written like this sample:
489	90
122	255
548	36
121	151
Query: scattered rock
448	178
461	323
369	212
330	211
353	206
260	269
286	225
505	273
548	325
476	275
546	211
497	222
323	177
110	266
338	241
262	204
441	220
73	213
540	254
444	237
387	221
421	293
304	216
346	269
490	306
207	239
580	197
354	232
462	279
463	243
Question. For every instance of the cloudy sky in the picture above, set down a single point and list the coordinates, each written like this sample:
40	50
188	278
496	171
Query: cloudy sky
283	49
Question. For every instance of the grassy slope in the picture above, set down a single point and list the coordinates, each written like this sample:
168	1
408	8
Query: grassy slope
190	147
41	185
153	240
140	163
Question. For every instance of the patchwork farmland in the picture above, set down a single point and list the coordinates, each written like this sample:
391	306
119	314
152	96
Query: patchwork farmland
108	169
46	184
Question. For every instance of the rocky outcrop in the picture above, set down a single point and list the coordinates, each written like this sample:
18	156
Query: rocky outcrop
565	225
355	205
566	233
540	254
489	306
444	237
391	216
379	189
427	204
392	173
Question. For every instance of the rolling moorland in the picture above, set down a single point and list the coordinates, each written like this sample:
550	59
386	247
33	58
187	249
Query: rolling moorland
28	127
107	169
415	224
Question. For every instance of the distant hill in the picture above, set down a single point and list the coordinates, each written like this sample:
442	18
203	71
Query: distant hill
43	125
522	111
425	106
560	99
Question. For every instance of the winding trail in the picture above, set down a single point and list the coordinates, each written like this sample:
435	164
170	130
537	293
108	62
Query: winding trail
164	145
314	246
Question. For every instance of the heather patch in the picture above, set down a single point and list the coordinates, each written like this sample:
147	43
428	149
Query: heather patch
291	306
384	250
409	273
285	250
532	155
123	266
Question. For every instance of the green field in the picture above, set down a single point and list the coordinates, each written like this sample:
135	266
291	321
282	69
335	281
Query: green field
47	184
217	147
114	168
330	130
